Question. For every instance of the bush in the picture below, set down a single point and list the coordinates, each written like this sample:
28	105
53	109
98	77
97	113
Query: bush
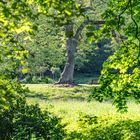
26	122
107	128
37	80
56	72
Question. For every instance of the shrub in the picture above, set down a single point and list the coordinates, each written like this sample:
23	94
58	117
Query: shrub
106	128
56	72
20	121
26	122
37	80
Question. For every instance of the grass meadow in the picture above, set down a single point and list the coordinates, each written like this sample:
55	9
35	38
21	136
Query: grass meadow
70	103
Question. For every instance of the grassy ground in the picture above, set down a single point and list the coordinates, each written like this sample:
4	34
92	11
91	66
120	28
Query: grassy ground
52	92
70	102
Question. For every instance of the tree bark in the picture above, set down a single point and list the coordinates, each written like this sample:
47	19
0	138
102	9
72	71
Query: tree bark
71	44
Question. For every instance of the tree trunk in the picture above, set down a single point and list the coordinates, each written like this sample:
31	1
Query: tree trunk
71	44
67	74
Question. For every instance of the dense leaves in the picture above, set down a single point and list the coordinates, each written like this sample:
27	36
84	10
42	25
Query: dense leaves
22	122
120	78
46	50
17	119
107	128
9	93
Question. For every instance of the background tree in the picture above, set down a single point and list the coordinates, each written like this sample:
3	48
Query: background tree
46	49
51	37
73	39
66	15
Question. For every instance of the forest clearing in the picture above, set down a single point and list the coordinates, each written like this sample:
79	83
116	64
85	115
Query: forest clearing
69	70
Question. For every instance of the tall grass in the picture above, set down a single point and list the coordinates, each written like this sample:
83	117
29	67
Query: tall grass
70	103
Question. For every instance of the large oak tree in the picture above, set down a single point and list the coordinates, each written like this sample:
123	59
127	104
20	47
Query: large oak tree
70	13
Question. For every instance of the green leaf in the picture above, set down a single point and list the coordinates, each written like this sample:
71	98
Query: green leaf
68	12
25	70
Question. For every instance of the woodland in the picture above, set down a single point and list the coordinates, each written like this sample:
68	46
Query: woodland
69	70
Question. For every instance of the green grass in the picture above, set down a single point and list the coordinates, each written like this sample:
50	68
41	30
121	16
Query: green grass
70	102
51	92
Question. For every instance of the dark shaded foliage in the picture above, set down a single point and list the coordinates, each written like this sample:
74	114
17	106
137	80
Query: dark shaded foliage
26	122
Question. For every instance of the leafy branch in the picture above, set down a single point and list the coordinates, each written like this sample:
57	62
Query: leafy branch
136	28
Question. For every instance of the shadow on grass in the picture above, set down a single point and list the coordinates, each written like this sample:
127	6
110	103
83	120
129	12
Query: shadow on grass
67	97
77	93
37	95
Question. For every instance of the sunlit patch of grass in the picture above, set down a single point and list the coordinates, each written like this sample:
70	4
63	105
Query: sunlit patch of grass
69	103
71	110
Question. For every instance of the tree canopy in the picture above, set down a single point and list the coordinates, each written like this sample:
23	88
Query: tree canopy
120	77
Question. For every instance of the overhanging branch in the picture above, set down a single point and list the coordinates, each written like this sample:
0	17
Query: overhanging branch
85	23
